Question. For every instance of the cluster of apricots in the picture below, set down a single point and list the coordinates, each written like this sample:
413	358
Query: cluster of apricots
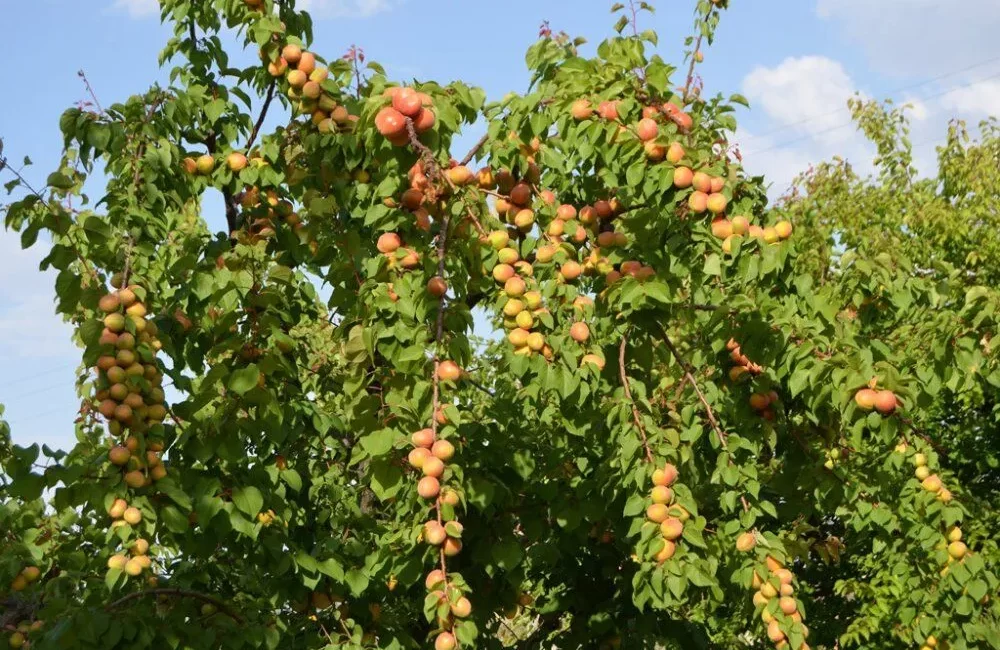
265	212
19	636
391	246
669	516
928	480
305	89
404	104
883	401
761	403
775	599
729	231
743	365
22	580
122	514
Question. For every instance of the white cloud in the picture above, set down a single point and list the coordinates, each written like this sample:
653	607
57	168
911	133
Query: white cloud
138	8
805	102
345	8
918	37
976	98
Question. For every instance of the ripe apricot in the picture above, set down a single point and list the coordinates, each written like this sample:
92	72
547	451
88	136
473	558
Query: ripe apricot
683	177
647	129
390	122
581	109
449	371
407	102
428	487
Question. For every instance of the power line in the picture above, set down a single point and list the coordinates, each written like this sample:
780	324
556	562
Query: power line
813	118
810	136
44	373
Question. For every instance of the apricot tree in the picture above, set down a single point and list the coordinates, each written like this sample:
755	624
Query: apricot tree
698	429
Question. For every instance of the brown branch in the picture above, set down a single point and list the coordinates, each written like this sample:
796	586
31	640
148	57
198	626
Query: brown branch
263	113
181	593
723	438
628	395
86	82
474	150
690	74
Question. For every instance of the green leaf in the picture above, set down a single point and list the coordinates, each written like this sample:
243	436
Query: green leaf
248	499
244	379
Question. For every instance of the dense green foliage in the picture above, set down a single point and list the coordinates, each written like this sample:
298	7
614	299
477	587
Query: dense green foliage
286	511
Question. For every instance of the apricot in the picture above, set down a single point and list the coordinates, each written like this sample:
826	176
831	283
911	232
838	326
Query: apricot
443	450
418	456
593	360
745	542
579	332
428	487
461	608
291	53
702	182
445	641
675	153
437	286
716	203
452	547
671	528
434	578
434	533
306	63
581	109
407	102
721	227
424	121
132	515
957	550
423	438
117	561
741	225
520	194
119	455
657	513
667	552
885	402
698	201
515	287
665	475
571	270
449	371
662	494
608	110
647	129
784	229
932	483
865	398
390	122
388	243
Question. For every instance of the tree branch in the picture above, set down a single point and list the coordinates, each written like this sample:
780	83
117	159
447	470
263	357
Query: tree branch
263	113
628	395
474	150
180	593
689	375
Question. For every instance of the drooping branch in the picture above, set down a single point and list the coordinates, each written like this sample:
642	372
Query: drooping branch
180	593
628	395
474	150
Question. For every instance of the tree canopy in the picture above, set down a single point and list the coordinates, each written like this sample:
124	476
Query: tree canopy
705	422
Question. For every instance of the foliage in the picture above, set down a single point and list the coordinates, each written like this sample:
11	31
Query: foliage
699	427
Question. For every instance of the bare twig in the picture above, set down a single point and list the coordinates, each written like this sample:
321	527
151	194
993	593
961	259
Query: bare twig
628	395
90	89
181	593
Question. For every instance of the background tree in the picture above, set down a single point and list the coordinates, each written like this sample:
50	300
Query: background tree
698	427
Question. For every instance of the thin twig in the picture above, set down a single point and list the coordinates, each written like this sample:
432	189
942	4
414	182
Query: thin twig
86	82
182	593
628	395
723	438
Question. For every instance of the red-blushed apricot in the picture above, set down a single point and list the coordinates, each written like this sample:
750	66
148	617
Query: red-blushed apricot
865	398
579	332
291	53
759	402
565	212
407	102
671	528
608	110
443	450
428	487
787	605
702	182
452	546
390	122
437	286
306	63
418	456
784	229
434	533
449	371
515	287
647	129
594	360
665	475
721	227
119	455
657	513
603	209
503	273
885	402
423	438
461	608
716	203
698	201
667	552
548	197
117	508
524	219
520	194
445	641
683	177
570	270
388	243
654	152
932	483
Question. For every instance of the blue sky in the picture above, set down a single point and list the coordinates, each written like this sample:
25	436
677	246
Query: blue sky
797	61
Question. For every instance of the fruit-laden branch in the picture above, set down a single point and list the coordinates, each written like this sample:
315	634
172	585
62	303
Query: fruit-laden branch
689	375
181	593
263	113
628	396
